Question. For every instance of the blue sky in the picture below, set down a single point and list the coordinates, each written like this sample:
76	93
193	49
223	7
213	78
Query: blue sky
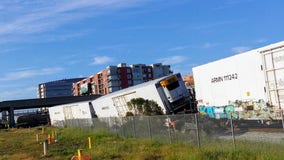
46	40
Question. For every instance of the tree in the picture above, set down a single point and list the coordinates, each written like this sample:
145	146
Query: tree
156	109
147	107
136	104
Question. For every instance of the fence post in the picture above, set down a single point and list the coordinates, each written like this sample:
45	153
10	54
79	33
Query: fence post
56	137
52	135
123	129
169	128
197	130
42	130
80	154
90	142
109	124
45	145
116	123
149	127
37	138
233	134
133	126
282	119
49	139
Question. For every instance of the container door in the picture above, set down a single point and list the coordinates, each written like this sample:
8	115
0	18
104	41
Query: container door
68	113
274	71
120	102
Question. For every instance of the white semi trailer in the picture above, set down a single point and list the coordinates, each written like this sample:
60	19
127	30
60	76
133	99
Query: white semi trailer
168	92
251	76
79	110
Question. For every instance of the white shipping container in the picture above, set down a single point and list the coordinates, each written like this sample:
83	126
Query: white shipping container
172	96
79	110
253	75
115	104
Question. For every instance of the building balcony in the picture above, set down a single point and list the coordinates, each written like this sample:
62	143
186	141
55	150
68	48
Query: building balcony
114	77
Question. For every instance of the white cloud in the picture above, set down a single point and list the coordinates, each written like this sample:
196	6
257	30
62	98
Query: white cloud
261	40
112	47
102	60
25	18
62	37
29	73
209	45
240	49
19	93
172	60
214	24
232	3
178	48
7	50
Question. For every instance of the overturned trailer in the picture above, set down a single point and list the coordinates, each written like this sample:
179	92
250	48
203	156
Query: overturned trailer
168	92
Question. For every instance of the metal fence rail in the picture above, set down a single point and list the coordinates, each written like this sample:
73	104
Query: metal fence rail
195	129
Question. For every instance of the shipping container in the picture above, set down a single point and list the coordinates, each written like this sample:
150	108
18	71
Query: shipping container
79	110
250	76
168	92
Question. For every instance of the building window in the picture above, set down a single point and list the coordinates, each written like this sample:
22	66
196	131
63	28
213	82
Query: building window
129	82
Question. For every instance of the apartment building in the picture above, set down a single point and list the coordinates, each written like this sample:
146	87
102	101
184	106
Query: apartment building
114	78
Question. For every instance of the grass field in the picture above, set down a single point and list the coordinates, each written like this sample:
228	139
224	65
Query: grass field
21	144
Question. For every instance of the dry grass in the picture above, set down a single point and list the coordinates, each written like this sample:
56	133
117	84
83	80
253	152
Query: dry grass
21	144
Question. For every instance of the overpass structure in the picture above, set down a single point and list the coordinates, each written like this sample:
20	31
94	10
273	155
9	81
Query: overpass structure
13	105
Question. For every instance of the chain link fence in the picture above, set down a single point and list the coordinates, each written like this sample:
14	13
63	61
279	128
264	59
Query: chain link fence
195	129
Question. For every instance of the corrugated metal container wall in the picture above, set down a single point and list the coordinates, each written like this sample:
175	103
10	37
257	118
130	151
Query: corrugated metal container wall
239	77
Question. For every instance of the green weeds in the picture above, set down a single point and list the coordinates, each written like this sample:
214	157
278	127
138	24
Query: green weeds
22	144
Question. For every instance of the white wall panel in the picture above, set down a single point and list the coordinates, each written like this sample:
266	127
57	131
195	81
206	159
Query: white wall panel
235	78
